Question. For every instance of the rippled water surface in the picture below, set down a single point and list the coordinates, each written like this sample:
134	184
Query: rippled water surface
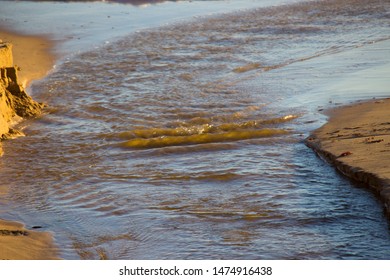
186	142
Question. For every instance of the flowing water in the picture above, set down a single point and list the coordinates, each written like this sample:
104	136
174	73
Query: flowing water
185	141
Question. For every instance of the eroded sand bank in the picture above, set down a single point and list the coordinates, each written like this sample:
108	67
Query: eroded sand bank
356	140
32	54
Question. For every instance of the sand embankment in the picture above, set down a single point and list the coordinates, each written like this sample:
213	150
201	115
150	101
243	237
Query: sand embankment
15	103
23	58
356	140
30	53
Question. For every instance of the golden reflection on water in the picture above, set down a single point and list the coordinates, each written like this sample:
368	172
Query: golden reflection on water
165	141
202	134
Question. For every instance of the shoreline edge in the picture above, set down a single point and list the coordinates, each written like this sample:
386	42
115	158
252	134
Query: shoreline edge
356	141
33	54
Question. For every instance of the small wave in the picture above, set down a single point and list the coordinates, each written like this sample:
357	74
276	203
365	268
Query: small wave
246	68
209	176
206	128
202	134
165	141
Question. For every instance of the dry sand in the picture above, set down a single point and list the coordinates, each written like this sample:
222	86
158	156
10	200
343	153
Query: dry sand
356	140
33	55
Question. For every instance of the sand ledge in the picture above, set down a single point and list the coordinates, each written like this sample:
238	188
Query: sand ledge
356	140
34	54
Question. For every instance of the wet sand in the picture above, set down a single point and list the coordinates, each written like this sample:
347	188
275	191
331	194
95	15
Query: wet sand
33	56
356	140
17	243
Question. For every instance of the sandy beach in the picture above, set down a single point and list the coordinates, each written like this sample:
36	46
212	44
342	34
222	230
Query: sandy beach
31	53
356	140
33	56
